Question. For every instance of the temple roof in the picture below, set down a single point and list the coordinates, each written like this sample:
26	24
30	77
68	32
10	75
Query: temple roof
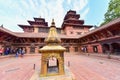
39	19
110	24
76	25
44	24
72	20
42	35
2	29
52	48
38	22
71	13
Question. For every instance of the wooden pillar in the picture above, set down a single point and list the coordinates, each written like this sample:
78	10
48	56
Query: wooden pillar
71	49
110	46
27	50
100	49
36	49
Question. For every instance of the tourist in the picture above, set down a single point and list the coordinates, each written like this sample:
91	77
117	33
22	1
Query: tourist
1	51
17	53
22	52
19	50
7	51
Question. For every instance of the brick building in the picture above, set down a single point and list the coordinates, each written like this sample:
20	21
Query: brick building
75	36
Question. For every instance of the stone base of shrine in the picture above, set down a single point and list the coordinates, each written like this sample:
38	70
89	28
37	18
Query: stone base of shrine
68	76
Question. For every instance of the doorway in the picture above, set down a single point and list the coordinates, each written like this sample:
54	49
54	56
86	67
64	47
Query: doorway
116	48
95	49
52	65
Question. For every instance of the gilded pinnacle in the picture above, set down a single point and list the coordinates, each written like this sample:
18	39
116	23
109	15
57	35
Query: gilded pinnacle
53	23
52	35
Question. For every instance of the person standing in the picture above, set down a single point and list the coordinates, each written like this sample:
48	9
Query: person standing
1	51
22	52
17	53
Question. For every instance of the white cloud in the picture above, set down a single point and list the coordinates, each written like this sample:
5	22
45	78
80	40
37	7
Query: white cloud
79	4
48	9
84	13
68	1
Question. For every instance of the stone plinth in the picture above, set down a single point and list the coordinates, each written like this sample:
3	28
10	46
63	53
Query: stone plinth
68	76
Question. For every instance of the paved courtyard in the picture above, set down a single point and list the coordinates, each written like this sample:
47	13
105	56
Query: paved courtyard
84	67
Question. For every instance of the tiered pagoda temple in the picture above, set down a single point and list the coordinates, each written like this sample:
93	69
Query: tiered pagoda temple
72	26
35	25
39	25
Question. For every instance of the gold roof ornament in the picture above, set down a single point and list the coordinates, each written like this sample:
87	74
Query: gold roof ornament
52	35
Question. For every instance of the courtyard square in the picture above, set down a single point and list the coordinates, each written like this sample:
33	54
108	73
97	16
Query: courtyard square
83	67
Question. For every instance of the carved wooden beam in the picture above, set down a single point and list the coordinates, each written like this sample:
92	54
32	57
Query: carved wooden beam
110	33
94	37
24	40
103	35
39	40
28	40
97	36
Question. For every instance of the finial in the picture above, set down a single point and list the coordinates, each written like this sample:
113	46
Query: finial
52	20
53	23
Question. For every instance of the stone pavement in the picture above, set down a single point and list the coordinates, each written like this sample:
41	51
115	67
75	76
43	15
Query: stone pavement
101	55
93	68
84	67
12	68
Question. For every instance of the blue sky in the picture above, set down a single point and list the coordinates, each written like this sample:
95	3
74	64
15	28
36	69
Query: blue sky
13	12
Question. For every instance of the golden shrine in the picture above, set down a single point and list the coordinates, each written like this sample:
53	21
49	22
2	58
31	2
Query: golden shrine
52	60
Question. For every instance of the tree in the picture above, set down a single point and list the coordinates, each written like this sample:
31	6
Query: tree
112	12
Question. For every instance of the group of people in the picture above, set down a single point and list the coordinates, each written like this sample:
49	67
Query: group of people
20	51
16	51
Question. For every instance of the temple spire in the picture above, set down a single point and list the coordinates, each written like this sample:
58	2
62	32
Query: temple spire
52	35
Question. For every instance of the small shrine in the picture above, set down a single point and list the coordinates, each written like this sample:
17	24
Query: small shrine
52	59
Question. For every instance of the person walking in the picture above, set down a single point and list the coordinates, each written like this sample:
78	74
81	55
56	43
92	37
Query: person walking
22	52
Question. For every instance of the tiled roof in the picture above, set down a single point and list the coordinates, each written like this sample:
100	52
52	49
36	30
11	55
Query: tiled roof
32	35
42	35
78	25
7	31
115	21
